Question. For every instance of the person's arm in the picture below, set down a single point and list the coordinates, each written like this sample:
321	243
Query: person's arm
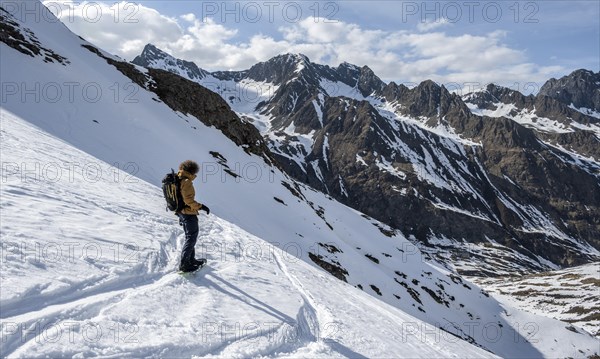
188	193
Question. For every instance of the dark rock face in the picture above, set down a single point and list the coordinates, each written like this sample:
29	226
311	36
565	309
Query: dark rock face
368	83
279	69
544	106
545	175
24	40
334	269
488	192
581	88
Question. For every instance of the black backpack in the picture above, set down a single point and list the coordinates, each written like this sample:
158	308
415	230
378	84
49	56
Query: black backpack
172	192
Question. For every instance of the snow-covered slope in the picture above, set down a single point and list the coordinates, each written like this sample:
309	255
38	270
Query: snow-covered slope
73	284
140	134
89	269
571	295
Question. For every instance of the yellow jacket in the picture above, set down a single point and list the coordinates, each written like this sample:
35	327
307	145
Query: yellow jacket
188	193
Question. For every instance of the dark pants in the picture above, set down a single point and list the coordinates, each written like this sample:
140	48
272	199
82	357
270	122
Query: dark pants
190	226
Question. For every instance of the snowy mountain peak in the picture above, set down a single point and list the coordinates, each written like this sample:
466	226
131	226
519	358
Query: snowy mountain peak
348	65
293	57
580	89
277	70
286	61
492	93
368	83
151	50
154	57
429	86
348	72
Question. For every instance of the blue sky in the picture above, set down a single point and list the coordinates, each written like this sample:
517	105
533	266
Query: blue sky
552	32
404	41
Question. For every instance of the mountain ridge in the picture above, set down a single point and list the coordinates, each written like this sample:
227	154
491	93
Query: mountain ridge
300	118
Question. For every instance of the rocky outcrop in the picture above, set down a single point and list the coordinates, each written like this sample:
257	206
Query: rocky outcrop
581	89
24	40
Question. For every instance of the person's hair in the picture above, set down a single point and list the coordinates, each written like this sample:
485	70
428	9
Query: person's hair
189	166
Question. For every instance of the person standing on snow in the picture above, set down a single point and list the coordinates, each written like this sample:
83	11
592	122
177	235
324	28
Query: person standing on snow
188	216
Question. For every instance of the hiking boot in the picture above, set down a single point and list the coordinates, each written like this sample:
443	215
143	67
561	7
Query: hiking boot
201	262
189	267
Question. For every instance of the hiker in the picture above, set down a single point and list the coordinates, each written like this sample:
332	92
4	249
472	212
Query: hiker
188	216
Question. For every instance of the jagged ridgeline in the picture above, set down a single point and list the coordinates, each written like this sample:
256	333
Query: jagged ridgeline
495	181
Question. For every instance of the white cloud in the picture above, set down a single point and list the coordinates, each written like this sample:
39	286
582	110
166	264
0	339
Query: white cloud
188	17
210	33
120	28
317	30
429	25
402	56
